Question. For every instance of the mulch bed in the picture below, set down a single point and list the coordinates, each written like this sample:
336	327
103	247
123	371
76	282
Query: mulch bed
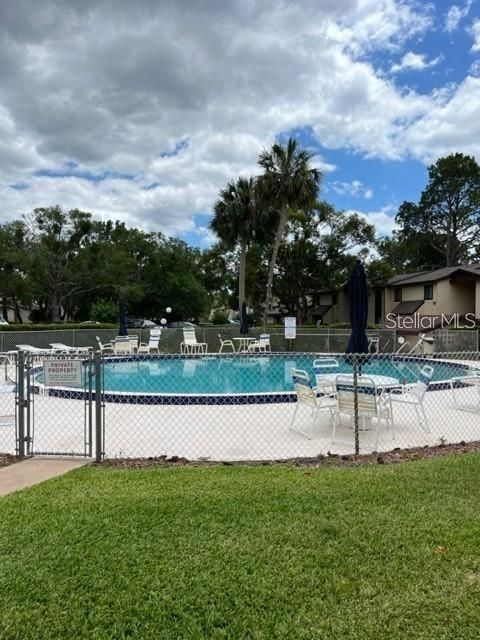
6	459
330	460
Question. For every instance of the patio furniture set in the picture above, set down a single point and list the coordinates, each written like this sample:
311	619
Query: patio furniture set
377	395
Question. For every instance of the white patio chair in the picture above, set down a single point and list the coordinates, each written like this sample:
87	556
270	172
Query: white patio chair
411	394
262	344
225	343
190	344
122	345
134	340
322	366
104	348
151	346
373	407
306	396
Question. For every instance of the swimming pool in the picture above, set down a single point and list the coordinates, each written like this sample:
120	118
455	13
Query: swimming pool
237	375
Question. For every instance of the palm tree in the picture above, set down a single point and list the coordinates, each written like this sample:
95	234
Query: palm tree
289	183
234	221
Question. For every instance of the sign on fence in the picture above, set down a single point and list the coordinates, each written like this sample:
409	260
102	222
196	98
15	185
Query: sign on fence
290	328
62	373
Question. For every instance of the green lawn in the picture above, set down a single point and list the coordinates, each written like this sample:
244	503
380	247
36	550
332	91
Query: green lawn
236	552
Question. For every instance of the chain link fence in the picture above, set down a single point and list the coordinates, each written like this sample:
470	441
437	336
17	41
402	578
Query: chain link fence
307	338
238	406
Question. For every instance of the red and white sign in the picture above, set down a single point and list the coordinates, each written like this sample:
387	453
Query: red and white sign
63	373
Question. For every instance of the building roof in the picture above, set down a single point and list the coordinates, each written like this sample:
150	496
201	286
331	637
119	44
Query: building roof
408	307
421	277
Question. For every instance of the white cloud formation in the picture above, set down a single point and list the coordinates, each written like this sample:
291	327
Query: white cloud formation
355	189
182	97
383	219
455	15
475	68
414	61
475	32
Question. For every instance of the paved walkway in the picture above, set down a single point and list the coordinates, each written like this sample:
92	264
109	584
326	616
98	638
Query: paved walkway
33	471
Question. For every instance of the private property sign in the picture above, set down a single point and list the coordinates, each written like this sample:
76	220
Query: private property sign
64	373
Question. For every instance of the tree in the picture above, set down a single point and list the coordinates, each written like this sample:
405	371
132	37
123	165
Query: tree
57	239
448	212
235	220
15	285
289	183
319	254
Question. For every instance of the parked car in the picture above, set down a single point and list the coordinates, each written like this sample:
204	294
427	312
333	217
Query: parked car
179	324
2	320
140	323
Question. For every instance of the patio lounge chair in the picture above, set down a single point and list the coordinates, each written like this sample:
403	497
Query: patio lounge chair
190	344
225	343
151	346
374	409
60	348
306	396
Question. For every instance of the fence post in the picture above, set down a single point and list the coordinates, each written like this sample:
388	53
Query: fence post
20	404
355	403
98	407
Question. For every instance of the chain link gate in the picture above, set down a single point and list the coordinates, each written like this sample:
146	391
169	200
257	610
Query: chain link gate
57	421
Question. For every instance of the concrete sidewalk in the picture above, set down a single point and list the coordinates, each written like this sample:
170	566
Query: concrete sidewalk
33	471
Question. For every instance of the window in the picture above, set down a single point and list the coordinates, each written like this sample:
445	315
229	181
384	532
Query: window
334	298
397	294
428	292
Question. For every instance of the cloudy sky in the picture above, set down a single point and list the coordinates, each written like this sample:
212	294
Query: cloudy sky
141	111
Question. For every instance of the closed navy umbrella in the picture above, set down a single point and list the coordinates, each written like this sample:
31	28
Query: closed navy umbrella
244	319
358	343
358	298
122	329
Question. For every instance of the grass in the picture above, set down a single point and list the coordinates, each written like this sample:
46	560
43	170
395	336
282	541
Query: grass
234	552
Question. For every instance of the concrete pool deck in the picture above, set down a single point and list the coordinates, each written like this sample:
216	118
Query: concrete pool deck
232	432
235	433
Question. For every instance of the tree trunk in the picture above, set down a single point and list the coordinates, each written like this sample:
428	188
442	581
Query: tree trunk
241	275
18	315
273	261
55	306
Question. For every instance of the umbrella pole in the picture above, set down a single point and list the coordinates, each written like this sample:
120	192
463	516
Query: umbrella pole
355	404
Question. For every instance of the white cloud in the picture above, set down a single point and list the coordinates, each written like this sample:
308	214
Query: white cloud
455	14
355	189
475	68
475	32
451	125
118	88
414	61
383	220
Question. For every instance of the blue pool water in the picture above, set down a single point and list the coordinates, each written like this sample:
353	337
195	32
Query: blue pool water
246	374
